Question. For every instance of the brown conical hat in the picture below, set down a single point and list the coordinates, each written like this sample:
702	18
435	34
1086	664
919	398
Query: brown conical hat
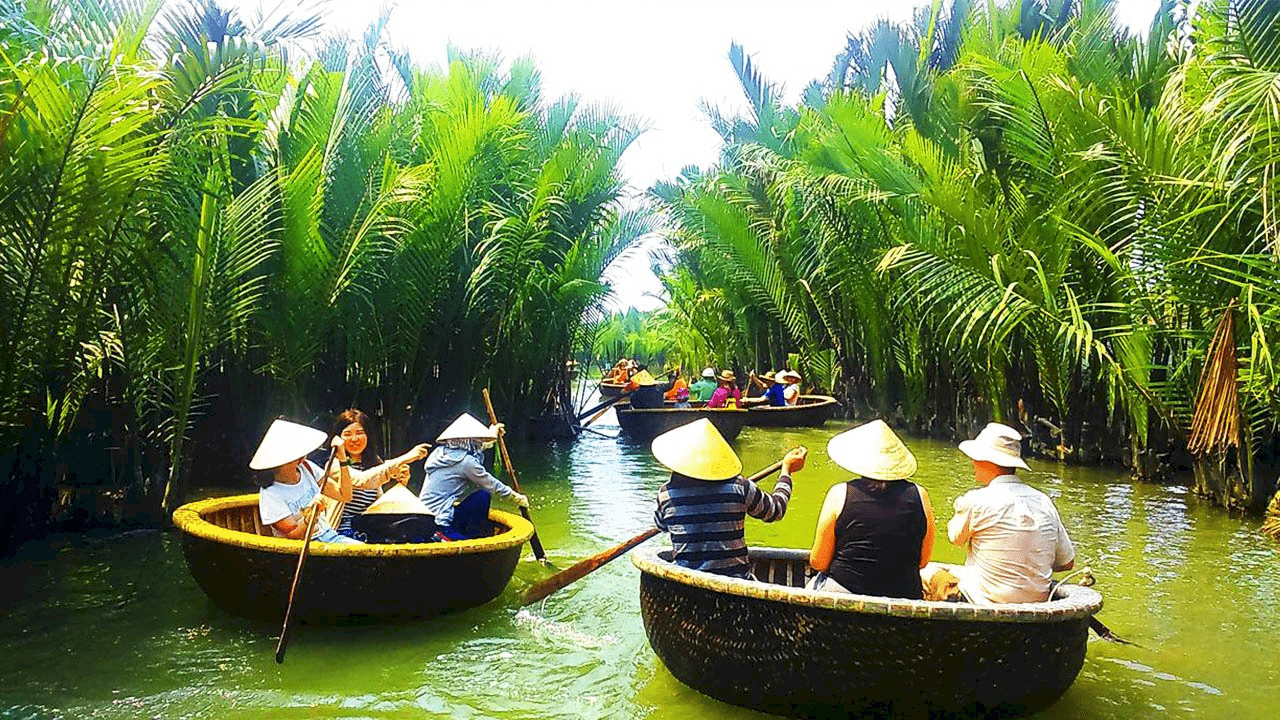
399	500
697	450
284	442
872	451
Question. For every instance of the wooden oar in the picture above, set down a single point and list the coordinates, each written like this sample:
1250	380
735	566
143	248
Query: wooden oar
302	558
602	407
534	542
583	568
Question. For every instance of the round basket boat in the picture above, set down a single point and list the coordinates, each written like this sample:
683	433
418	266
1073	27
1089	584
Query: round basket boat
649	423
611	389
809	411
246	571
775	647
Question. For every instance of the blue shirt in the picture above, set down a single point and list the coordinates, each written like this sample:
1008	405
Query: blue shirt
775	395
450	474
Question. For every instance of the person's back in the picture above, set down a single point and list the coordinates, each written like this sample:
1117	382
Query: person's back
705	503
879	534
1016	539
1013	532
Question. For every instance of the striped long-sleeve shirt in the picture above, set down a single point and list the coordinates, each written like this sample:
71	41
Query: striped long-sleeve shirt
706	519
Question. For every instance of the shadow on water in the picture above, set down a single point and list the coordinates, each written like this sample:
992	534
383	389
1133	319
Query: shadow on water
114	627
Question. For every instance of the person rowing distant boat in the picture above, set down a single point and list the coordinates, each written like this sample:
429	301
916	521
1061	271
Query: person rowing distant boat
646	393
726	394
705	502
702	390
676	383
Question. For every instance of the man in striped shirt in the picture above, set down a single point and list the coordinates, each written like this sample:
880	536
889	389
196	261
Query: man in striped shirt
705	503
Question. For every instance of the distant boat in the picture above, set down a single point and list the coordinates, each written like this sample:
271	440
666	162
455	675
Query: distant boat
246	571
650	423
776	647
809	411
611	389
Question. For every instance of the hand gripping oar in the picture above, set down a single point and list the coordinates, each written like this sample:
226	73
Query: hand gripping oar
583	568
297	573
534	542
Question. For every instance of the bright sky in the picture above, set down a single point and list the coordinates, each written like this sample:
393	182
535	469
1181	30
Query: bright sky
654	59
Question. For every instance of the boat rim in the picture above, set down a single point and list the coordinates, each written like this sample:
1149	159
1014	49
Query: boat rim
689	409
189	519
822	401
1080	602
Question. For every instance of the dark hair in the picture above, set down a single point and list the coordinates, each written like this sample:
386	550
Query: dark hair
875	487
370	456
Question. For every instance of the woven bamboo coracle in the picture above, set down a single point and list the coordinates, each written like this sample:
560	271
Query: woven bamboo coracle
775	647
246	571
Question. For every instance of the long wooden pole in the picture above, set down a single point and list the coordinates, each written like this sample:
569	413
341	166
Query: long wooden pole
534	541
302	559
585	567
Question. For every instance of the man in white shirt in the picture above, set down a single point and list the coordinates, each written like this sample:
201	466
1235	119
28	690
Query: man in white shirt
1013	532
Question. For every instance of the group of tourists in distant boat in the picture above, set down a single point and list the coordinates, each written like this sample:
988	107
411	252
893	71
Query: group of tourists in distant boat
875	532
358	493
781	389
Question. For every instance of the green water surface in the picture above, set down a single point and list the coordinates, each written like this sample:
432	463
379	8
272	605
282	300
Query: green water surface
114	627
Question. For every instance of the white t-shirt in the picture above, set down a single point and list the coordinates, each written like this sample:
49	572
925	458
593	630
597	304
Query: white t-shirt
1015	539
280	500
791	394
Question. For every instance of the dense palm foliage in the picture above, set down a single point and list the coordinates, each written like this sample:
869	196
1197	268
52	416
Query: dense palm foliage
1012	211
203	227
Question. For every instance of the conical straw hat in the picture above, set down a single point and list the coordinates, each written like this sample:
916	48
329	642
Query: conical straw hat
872	451
697	450
399	500
284	442
467	428
643	379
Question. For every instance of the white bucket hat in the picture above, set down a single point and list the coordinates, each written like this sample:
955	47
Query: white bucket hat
285	442
785	375
697	450
709	373
467	427
872	451
999	444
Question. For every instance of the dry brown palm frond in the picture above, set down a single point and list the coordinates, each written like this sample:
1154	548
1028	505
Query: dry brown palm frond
1272	524
1215	426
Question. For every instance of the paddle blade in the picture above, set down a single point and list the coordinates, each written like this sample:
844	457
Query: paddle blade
565	577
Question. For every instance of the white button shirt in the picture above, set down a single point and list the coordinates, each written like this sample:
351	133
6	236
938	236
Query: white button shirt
1015	540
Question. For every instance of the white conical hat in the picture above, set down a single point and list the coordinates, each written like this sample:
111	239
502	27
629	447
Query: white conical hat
398	500
697	450
467	428
285	441
872	451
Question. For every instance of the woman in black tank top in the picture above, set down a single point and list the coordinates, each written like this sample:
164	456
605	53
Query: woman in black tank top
874	533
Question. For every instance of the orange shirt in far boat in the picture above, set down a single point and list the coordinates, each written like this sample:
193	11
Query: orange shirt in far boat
675	388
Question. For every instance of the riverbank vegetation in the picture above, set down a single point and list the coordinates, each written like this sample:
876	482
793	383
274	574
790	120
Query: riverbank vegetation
208	220
1015	211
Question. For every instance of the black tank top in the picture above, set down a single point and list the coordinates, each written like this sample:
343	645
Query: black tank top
878	539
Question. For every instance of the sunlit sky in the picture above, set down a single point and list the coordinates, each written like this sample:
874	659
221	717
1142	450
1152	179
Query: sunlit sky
656	60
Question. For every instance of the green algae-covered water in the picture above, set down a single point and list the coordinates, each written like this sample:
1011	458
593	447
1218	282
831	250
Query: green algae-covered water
114	627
